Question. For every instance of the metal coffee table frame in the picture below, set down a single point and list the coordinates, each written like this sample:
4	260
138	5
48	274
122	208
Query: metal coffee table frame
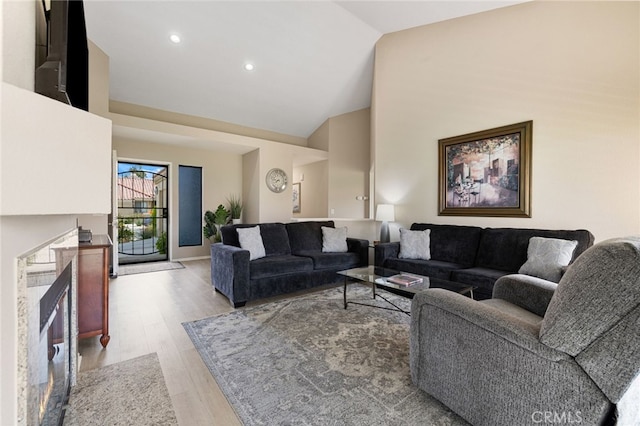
377	278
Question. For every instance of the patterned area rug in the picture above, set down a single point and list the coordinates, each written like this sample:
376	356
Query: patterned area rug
141	268
131	392
307	360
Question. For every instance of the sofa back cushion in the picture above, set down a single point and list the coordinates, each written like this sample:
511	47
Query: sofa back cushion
452	243
274	237
306	236
505	249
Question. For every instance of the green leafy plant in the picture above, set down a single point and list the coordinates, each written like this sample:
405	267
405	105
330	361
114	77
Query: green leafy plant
147	232
213	221
235	207
209	229
124	233
154	217
161	243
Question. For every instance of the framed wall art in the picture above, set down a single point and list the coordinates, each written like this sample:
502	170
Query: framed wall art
295	189
486	173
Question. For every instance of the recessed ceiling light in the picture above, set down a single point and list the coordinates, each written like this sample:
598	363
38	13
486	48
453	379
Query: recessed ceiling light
249	66
174	38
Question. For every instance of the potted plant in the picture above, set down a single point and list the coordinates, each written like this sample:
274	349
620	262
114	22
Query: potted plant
213	221
235	208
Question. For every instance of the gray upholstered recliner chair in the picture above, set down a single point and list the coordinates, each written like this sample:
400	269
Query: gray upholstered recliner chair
537	352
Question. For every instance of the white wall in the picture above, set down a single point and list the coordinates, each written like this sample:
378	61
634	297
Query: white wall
571	67
18	43
57	154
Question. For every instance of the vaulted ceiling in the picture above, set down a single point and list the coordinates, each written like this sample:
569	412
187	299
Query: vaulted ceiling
312	59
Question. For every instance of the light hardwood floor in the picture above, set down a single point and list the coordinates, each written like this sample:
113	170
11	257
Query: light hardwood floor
146	313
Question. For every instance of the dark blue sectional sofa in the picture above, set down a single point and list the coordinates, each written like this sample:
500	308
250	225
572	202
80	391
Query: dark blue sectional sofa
474	255
294	261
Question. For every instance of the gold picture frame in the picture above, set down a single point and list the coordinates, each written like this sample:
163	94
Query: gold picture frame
486	173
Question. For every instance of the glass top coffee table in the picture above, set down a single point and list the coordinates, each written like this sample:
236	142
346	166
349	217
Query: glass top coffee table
379	278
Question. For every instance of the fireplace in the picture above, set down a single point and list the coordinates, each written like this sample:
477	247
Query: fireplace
46	320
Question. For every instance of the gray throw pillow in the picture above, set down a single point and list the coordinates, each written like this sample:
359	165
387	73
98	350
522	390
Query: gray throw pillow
415	244
334	239
250	239
547	257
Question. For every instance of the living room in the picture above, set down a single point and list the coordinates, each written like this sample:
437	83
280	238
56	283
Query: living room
570	67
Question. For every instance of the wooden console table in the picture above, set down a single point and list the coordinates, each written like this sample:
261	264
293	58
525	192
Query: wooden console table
93	288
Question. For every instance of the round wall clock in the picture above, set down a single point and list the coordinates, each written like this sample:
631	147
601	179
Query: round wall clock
276	180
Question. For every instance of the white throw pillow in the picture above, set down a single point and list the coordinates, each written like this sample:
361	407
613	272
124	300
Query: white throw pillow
334	239
415	244
547	257
250	239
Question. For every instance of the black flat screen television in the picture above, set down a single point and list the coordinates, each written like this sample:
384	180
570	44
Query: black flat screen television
64	74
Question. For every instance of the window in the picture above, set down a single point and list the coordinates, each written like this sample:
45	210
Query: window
189	206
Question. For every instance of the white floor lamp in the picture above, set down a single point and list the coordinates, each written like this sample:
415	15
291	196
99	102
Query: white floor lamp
386	214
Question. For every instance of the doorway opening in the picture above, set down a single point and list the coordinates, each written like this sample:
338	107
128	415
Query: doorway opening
143	213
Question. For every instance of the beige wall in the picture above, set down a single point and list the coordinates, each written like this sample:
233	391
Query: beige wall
221	175
251	186
349	145
571	67
98	80
320	138
202	123
345	175
275	207
313	189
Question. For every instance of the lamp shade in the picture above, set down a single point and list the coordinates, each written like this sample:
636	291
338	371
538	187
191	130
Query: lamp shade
385	213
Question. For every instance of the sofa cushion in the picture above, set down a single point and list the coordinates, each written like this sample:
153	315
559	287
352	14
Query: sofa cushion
334	239
250	239
278	265
326	260
230	234
306	235
452	243
505	249
431	268
547	257
414	244
274	237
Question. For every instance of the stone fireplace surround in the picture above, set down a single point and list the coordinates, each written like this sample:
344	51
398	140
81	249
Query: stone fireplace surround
36	270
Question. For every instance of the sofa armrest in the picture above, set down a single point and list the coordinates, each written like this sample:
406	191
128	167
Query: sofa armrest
384	251
530	293
438	307
360	246
230	272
